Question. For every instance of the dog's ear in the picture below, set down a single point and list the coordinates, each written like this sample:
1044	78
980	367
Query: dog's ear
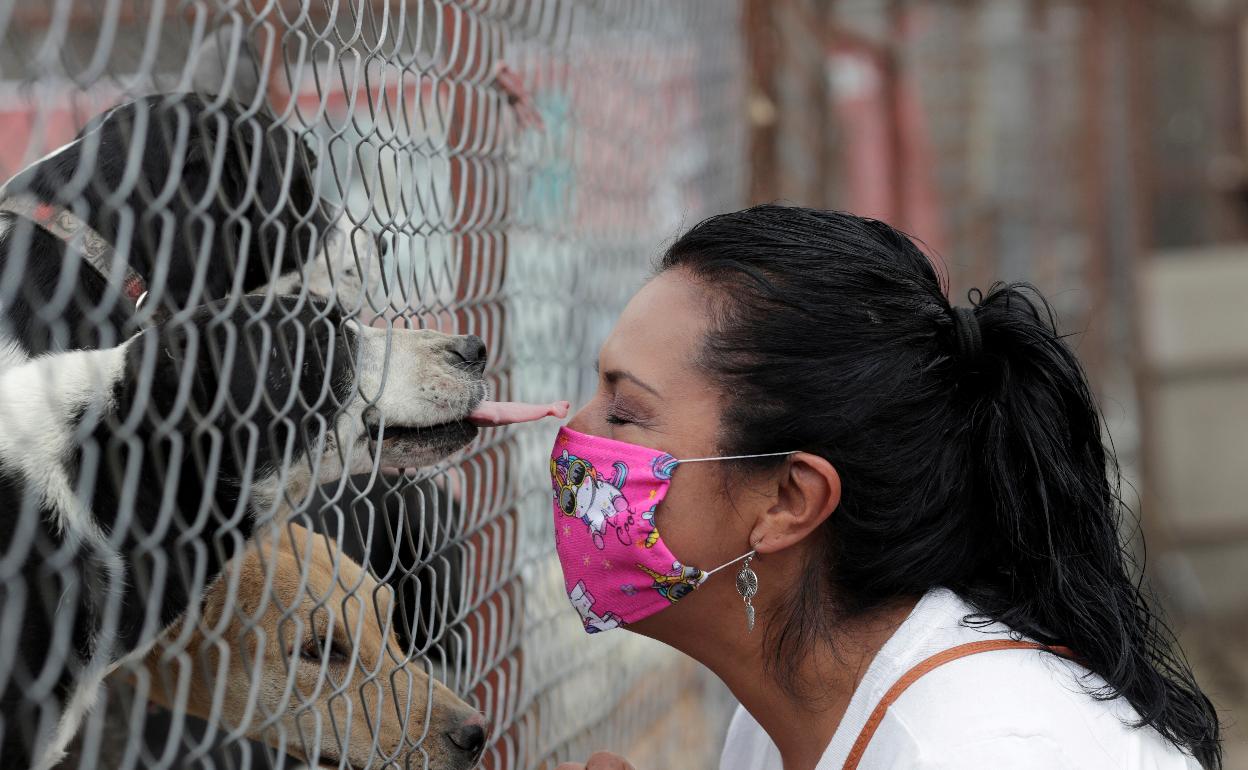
227	64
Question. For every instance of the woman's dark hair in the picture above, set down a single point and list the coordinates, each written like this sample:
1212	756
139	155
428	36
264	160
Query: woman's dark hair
976	464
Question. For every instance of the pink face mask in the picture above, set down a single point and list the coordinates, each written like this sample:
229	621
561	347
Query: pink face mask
615	567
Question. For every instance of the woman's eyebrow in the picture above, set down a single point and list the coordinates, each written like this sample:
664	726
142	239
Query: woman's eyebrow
612	376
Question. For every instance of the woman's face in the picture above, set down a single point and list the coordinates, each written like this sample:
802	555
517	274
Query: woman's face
652	393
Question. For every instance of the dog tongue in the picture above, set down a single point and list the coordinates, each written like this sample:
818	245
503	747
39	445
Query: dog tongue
495	413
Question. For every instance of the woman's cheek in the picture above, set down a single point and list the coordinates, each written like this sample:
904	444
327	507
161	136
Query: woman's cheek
690	520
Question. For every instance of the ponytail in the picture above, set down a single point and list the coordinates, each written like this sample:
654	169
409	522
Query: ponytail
968	443
1043	484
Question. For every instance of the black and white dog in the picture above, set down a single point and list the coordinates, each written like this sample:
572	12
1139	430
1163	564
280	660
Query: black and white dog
151	415
179	200
130	474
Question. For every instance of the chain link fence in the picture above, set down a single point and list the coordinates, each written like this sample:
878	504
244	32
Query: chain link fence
248	519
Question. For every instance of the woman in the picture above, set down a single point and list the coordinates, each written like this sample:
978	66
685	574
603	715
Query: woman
894	478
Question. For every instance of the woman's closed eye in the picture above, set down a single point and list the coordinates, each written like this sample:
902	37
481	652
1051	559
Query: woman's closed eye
617	419
619	412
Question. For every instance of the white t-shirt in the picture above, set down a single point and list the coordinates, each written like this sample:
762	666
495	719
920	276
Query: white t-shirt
1002	709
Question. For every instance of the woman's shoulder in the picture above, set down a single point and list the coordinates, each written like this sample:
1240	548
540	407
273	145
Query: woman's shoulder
1021	708
1012	707
996	698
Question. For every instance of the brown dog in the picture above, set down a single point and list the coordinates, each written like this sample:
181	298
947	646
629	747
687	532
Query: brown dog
295	646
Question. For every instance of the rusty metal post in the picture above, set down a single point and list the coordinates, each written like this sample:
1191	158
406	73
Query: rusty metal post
1094	49
1136	16
761	41
891	64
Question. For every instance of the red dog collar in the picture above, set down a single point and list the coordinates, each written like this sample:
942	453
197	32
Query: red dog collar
98	253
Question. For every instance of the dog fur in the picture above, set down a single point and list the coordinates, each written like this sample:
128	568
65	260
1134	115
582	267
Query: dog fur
202	198
295	639
130	474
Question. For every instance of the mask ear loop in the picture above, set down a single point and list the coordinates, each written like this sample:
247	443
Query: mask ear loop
726	564
736	457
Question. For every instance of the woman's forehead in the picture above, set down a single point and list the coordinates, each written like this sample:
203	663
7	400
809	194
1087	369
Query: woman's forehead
659	328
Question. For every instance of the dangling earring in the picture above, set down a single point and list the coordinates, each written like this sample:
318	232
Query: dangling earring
747	586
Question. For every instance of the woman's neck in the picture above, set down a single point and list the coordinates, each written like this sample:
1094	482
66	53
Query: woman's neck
802	725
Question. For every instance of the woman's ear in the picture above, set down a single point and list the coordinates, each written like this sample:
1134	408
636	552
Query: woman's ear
806	493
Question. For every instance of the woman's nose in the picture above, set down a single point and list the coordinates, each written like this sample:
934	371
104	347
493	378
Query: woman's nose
582	420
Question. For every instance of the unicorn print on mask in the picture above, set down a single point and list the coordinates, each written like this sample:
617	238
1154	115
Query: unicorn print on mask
583	492
677	582
583	601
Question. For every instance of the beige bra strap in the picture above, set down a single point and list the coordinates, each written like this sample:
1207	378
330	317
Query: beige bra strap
921	668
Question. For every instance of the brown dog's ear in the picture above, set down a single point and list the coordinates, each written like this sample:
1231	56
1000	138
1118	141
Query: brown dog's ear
226	64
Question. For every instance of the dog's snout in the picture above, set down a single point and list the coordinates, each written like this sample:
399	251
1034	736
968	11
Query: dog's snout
470	736
468	349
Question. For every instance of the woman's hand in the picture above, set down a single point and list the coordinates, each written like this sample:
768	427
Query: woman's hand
602	760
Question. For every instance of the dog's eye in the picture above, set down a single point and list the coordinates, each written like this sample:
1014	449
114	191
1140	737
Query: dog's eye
615	419
339	652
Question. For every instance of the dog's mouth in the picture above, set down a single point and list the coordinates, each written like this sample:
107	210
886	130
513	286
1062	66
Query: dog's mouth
453	434
444	435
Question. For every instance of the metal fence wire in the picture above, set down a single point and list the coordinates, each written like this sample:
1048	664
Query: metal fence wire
258	261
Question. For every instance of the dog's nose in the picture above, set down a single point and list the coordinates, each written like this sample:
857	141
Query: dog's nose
469	737
469	349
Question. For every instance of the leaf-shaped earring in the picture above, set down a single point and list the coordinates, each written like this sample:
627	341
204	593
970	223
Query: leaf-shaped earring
747	586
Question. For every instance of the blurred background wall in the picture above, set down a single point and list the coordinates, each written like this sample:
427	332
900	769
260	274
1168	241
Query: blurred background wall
1099	149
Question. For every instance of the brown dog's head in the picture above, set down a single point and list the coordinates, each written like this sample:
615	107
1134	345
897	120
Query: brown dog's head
295	646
